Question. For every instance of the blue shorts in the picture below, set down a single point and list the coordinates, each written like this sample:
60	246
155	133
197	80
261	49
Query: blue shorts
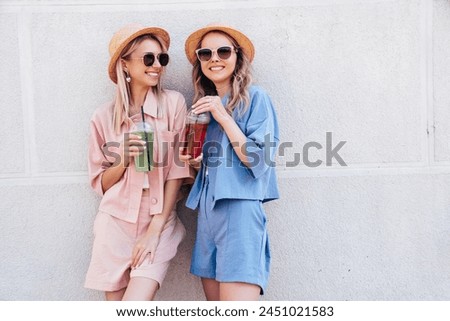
232	244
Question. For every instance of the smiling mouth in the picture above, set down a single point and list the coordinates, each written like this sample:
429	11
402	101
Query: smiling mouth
216	68
153	74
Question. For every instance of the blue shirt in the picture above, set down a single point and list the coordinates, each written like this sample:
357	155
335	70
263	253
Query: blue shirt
228	177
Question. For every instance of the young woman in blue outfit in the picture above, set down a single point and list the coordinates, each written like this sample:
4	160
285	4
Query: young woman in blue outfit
236	171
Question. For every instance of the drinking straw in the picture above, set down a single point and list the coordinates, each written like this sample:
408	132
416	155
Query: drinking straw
146	137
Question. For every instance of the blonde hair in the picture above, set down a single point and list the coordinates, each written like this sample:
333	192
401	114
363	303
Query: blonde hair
240	80
123	91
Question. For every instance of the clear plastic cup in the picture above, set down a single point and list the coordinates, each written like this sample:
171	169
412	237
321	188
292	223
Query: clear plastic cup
196	126
144	162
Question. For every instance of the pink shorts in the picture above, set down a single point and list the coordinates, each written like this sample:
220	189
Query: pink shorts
114	241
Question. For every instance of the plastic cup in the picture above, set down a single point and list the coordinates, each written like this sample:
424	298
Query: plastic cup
144	162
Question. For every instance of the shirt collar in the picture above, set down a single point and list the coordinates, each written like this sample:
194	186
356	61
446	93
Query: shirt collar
151	104
225	98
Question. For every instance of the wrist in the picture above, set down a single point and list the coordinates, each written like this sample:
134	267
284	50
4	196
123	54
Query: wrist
124	161
154	232
225	119
156	228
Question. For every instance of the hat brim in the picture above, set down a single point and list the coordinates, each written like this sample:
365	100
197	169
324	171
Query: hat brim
161	33
194	38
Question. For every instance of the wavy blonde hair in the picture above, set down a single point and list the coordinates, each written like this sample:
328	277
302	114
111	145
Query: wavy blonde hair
123	91
240	80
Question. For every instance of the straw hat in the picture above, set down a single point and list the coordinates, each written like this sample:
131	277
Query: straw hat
243	41
124	36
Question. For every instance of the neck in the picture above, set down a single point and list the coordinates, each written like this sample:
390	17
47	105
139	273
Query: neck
222	89
138	95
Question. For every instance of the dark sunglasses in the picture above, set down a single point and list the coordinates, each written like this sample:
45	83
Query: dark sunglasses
149	59
205	54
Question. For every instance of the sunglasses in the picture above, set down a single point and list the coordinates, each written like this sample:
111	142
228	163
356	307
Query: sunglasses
149	59
205	54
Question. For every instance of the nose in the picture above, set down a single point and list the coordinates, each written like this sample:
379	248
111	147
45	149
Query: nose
215	56
156	63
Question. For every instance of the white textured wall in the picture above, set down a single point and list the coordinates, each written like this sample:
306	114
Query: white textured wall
374	73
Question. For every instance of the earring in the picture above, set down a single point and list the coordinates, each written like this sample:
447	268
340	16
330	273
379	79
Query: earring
127	78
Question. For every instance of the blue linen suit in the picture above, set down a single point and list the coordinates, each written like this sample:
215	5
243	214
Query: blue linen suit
232	244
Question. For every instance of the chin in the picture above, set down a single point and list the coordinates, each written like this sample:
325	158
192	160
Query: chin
152	83
217	78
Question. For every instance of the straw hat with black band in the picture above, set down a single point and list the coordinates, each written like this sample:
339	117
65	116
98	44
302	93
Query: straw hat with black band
194	38
126	35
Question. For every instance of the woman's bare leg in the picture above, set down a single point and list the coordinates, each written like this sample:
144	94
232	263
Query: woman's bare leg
211	289
115	295
238	291
141	289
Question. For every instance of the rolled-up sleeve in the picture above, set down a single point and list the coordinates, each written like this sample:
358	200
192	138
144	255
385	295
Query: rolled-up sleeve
97	160
262	132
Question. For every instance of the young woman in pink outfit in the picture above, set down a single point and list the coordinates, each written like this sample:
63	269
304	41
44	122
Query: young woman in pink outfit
136	231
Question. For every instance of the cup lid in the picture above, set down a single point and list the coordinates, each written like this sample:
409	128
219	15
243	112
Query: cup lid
141	126
198	118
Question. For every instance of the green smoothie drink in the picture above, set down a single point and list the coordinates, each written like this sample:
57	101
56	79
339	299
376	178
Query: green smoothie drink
144	162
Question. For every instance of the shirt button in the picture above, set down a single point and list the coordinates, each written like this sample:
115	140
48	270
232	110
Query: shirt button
154	201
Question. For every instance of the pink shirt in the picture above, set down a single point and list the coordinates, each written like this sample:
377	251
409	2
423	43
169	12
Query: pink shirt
123	199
